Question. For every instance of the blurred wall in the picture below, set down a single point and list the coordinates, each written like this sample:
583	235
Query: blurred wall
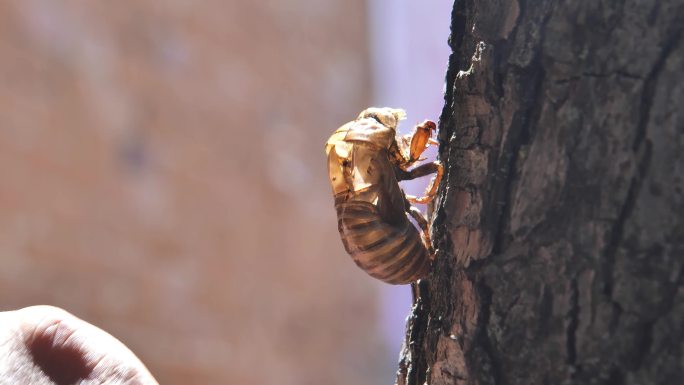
162	176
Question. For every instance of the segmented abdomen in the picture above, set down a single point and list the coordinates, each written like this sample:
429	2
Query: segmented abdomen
393	254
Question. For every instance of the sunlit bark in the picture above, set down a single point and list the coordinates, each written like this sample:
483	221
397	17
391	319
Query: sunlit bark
560	220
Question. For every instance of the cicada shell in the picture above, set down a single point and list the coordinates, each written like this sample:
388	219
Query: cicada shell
365	162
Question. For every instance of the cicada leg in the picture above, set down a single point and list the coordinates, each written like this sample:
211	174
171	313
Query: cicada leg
422	170
423	224
420	139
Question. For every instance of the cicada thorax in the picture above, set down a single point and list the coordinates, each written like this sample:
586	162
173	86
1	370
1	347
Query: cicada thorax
371	208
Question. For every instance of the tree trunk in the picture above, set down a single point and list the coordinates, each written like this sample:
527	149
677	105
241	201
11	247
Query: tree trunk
560	220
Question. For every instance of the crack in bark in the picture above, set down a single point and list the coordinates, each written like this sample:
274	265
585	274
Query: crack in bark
504	315
482	334
642	148
643	345
649	87
643	163
625	212
573	323
545	309
520	133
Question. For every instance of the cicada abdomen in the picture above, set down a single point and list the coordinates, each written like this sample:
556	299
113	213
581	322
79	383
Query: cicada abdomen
393	253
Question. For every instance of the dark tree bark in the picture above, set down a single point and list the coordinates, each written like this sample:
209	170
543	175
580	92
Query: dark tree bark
560	221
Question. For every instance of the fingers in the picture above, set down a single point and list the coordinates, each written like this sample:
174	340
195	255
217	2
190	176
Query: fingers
63	349
53	350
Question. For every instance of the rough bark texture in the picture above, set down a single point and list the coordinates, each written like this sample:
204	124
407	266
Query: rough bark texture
560	222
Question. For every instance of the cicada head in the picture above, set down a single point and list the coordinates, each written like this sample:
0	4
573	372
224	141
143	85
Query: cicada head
388	117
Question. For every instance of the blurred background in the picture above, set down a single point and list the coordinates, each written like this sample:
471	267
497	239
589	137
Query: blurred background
163	176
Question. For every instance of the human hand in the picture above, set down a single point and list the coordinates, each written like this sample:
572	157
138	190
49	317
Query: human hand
45	345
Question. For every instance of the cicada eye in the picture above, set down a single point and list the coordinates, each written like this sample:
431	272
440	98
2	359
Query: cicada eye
376	117
385	120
